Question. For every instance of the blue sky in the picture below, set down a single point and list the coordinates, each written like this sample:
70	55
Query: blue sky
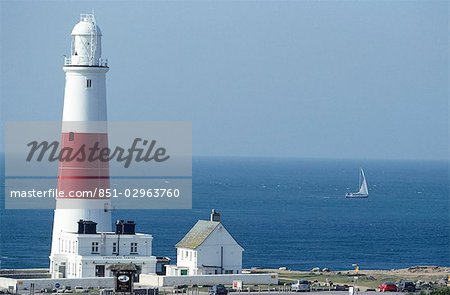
327	79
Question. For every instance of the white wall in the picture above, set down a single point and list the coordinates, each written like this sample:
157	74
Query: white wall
247	279
75	250
209	253
188	260
6	282
147	264
50	283
173	270
144	244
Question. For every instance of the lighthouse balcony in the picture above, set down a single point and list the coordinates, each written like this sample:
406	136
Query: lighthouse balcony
85	62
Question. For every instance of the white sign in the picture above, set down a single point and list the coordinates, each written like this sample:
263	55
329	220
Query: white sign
237	285
123	278
118	257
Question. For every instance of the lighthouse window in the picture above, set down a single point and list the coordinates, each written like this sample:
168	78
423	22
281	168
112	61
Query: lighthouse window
88	83
71	136
94	247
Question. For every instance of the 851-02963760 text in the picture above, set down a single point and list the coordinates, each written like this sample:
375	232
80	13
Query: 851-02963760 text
99	193
141	193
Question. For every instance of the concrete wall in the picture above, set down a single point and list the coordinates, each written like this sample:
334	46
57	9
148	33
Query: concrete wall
247	279
28	273
21	284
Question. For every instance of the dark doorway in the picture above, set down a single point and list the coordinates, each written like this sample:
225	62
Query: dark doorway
99	270
62	270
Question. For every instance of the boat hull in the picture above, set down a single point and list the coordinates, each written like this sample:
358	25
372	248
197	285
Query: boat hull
356	196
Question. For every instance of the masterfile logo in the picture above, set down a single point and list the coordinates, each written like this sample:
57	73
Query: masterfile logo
53	152
135	165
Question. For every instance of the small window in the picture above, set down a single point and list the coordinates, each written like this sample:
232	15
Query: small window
133	248
94	247
71	136
114	250
88	83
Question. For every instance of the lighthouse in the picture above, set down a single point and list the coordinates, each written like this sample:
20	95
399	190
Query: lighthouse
83	243
84	122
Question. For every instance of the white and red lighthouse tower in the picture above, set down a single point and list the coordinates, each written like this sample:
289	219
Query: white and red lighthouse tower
83	244
84	123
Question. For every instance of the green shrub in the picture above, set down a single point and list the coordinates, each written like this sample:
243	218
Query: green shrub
441	291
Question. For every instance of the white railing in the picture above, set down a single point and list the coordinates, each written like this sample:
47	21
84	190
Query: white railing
101	62
87	17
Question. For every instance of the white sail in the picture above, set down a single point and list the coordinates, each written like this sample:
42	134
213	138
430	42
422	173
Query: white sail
363	190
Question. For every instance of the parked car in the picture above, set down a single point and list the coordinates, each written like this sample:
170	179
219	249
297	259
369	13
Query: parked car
218	290
406	286
180	289
388	287
341	287
300	286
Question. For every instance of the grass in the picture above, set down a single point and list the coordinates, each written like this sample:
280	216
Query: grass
365	281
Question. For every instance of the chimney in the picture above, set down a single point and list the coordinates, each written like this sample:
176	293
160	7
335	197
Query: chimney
125	227
215	216
87	227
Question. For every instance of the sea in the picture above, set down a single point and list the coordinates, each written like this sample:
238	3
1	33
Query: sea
287	213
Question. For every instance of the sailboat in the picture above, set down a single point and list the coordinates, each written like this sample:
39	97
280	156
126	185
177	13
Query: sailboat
363	191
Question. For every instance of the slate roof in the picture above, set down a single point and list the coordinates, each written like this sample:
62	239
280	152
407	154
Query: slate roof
198	234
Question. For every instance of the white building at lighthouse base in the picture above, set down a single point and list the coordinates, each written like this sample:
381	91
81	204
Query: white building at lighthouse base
86	253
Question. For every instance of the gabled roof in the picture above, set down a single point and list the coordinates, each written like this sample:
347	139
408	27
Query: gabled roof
198	234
